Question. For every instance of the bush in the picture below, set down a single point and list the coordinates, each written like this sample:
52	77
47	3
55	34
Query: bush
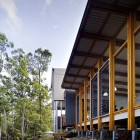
71	134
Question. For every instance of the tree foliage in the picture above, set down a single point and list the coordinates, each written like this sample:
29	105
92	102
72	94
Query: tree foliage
23	93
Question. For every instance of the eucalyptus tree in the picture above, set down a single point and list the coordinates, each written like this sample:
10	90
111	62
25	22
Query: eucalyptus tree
17	68
7	97
4	44
38	65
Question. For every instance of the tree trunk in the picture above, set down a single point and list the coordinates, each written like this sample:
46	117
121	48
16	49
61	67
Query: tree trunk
39	79
22	124
13	122
0	128
5	123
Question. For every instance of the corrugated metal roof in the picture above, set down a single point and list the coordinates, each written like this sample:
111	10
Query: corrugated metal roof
102	21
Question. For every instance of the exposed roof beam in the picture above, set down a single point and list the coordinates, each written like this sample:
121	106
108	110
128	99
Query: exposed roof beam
124	83
87	54
96	36
119	42
121	94
103	6
80	67
121	74
76	75
77	83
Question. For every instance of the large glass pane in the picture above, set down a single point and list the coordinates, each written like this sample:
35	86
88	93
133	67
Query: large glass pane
82	106
88	103
77	109
94	97
137	81
120	88
104	89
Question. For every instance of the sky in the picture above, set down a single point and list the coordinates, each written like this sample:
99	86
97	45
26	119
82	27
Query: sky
49	24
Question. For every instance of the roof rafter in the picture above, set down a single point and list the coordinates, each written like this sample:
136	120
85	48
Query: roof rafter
76	75
103	6
78	53
96	36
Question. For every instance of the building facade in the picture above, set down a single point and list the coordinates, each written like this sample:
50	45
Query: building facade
58	102
104	66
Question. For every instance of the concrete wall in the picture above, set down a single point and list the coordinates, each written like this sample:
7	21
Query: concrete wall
57	77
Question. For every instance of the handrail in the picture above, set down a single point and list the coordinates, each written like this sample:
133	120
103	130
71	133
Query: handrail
120	111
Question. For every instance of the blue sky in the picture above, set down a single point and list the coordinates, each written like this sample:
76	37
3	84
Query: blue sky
49	24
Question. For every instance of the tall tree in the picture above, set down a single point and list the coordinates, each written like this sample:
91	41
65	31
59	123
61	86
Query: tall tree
38	65
17	68
4	43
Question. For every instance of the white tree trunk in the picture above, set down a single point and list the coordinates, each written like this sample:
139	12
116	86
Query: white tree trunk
13	120
5	122
22	125
0	131
0	128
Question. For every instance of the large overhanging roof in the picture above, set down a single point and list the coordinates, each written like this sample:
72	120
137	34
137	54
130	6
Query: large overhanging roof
102	21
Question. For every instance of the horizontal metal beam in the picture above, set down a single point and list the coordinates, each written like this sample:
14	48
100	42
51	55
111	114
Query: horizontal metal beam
76	83
76	75
111	8
96	36
80	67
87	54
121	94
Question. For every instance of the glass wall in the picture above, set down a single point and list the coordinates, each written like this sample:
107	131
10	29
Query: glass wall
88	103
137	63
104	89
82	106
121	90
94	97
77	108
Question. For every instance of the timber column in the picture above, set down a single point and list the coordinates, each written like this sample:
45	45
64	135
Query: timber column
80	108
111	85
91	120
131	69
85	105
100	63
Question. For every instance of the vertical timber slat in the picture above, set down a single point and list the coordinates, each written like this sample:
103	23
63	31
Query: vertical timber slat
76	121
111	85
131	70
85	105
91	121
100	62
80	107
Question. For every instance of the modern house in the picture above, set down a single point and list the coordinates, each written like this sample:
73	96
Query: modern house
61	100
58	103
104	66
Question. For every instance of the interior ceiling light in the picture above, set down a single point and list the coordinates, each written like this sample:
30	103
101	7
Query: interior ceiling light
115	89
105	94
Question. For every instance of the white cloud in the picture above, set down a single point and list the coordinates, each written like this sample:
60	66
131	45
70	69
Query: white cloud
12	19
48	2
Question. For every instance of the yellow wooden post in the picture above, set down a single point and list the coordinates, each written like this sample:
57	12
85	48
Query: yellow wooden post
85	105
111	85
91	120
76	121
131	70
80	108
100	62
